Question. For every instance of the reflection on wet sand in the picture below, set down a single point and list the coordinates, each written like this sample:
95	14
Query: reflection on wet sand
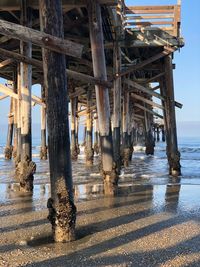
148	220
172	196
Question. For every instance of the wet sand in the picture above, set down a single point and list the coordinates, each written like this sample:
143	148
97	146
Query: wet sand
148	226
148	223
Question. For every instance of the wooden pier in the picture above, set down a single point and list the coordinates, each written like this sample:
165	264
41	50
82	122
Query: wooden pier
112	64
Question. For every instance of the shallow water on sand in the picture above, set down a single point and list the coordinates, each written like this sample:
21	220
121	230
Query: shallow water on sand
143	170
153	220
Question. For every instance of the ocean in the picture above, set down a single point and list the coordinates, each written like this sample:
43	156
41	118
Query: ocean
152	221
143	170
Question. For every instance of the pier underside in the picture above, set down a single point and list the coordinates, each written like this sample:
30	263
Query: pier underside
113	64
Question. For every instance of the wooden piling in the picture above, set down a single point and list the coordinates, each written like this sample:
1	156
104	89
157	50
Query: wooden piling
9	148
117	105
102	97
25	167
43	149
77	127
163	132
149	139
62	211
125	125
173	153
84	135
96	134
74	152
148	125
157	133
131	129
18	158
15	101
89	152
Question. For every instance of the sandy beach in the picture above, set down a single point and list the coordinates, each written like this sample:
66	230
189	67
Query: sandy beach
144	225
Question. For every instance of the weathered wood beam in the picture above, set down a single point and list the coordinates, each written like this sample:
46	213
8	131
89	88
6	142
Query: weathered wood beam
173	153
7	91
66	4
178	105
77	92
9	148
24	167
154	78
41	39
148	8
38	101
139	116
3	97
140	65
142	88
89	152
149	91
117	101
145	100
83	112
138	119
155	88
43	149
72	74
73	101
102	96
125	126
62	211
148	110
6	62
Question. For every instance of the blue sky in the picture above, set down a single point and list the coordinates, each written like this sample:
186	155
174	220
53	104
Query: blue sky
186	74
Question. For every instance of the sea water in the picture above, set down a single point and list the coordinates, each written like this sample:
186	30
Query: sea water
142	171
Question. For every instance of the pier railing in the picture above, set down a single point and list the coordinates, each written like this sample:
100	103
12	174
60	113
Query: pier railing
167	18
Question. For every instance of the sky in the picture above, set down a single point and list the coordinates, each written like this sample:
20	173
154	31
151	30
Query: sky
186	74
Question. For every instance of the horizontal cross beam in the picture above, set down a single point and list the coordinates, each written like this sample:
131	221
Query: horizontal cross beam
9	92
72	74
41	39
145	100
142	64
142	88
148	110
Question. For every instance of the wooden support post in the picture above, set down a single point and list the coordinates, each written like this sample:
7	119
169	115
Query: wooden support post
131	129
9	148
77	128
165	116
89	152
18	158
117	106
125	125
102	97
62	211
26	168
149	139
43	149
96	134
157	134
74	153
173	153
163	133
15	110
84	135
